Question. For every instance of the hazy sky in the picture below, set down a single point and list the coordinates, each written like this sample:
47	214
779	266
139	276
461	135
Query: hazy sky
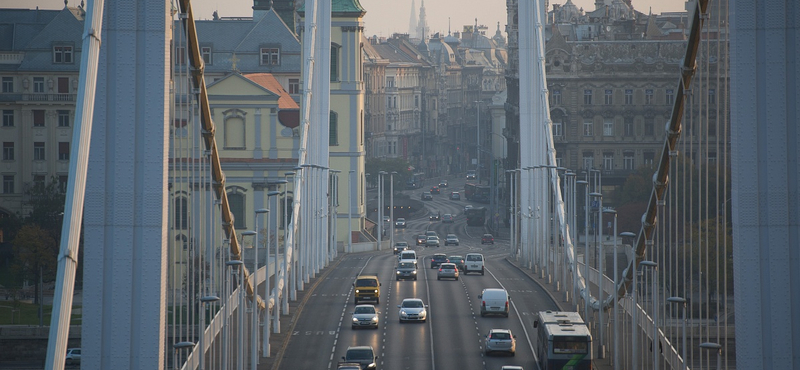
385	17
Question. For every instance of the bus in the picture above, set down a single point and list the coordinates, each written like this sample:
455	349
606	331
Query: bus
477	193
475	216
415	181
564	341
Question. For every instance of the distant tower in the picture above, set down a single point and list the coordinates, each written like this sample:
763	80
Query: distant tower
412	23
422	27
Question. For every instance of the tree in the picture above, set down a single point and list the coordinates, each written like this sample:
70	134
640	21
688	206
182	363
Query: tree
399	165
47	207
35	253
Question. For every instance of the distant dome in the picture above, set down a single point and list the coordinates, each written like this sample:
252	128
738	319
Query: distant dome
452	40
498	37
568	13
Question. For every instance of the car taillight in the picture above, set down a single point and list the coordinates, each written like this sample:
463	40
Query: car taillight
440	269
506	305
483	303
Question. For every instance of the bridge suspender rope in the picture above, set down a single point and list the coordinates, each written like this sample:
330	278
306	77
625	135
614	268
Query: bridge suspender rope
196	62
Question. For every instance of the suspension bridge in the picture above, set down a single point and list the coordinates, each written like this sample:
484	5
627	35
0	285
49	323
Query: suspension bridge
152	300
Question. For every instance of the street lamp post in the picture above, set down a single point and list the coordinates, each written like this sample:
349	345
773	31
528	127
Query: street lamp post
511	212
600	272
288	273
710	346
391	207
628	234
179	347
276	323
202	352
616	297
656	342
380	208
234	267
681	302
478	143
254	310
333	208
350	199
586	249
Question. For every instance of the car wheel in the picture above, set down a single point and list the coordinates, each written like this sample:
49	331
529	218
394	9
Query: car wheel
401	320
438	278
355	301
398	279
481	272
68	362
378	300
506	315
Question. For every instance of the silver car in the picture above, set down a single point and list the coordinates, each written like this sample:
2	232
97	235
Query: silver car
365	316
447	271
500	340
406	270
432	241
413	309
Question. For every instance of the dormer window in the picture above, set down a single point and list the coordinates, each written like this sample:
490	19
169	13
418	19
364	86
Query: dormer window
62	54
270	56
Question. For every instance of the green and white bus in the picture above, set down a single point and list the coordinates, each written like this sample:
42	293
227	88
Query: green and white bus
564	341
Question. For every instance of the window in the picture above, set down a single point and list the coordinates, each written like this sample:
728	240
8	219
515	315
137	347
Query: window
8	84
38	118
63	151
334	129
628	126
648	97
8	150
62	183
8	184
334	63
38	151
181	214
627	161
235	132
8	118
712	96
236	204
608	161
588	160
587	128
556	97
712	128
63	118
670	96
649	127
416	102
628	97
558	127
648	158
270	56
62	54
180	56
712	157
587	97
63	86
38	181
205	51
608	127
559	159
294	86
609	95
38	84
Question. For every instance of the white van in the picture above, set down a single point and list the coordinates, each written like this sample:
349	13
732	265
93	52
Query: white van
408	256
473	262
494	301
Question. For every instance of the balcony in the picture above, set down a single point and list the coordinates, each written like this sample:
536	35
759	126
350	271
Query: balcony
50	97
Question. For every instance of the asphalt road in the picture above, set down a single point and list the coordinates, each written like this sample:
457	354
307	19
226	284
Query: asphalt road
452	338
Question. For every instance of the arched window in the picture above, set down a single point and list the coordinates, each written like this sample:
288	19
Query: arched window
236	203
234	129
334	129
181	214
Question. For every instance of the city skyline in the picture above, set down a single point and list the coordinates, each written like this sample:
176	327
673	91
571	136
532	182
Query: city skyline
385	18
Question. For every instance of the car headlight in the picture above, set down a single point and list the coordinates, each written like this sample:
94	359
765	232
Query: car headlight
402	312
398	272
414	272
357	290
355	319
375	319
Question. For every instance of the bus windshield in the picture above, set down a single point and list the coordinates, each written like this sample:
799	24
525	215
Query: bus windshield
561	346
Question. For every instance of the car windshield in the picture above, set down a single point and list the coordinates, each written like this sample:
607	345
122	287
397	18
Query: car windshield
405	265
359	354
402	244
412	304
448	266
365	309
455	258
366	282
501	336
474	258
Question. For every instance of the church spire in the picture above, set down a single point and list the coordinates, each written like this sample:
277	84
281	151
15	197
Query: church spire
422	26
412	23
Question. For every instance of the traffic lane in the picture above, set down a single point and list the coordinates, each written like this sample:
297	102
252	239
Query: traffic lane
407	345
319	323
456	340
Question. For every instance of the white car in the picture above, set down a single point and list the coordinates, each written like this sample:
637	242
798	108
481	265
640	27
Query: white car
432	241
451	239
365	316
400	223
73	356
500	340
413	309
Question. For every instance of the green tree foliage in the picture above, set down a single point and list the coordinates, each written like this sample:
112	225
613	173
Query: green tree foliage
399	165
35	251
712	253
47	207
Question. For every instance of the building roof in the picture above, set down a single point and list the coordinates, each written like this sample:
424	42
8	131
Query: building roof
268	81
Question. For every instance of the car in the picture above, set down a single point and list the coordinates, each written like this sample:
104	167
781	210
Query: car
494	301
407	256
487	239
473	262
412	309
426	196
447	218
467	207
363	355
73	356
386	220
450	239
406	270
447	270
457	260
500	340
432	241
348	366
421	238
435	189
455	195
431	233
400	246
442	183
367	288
365	316
471	175
400	223
435	216
437	259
